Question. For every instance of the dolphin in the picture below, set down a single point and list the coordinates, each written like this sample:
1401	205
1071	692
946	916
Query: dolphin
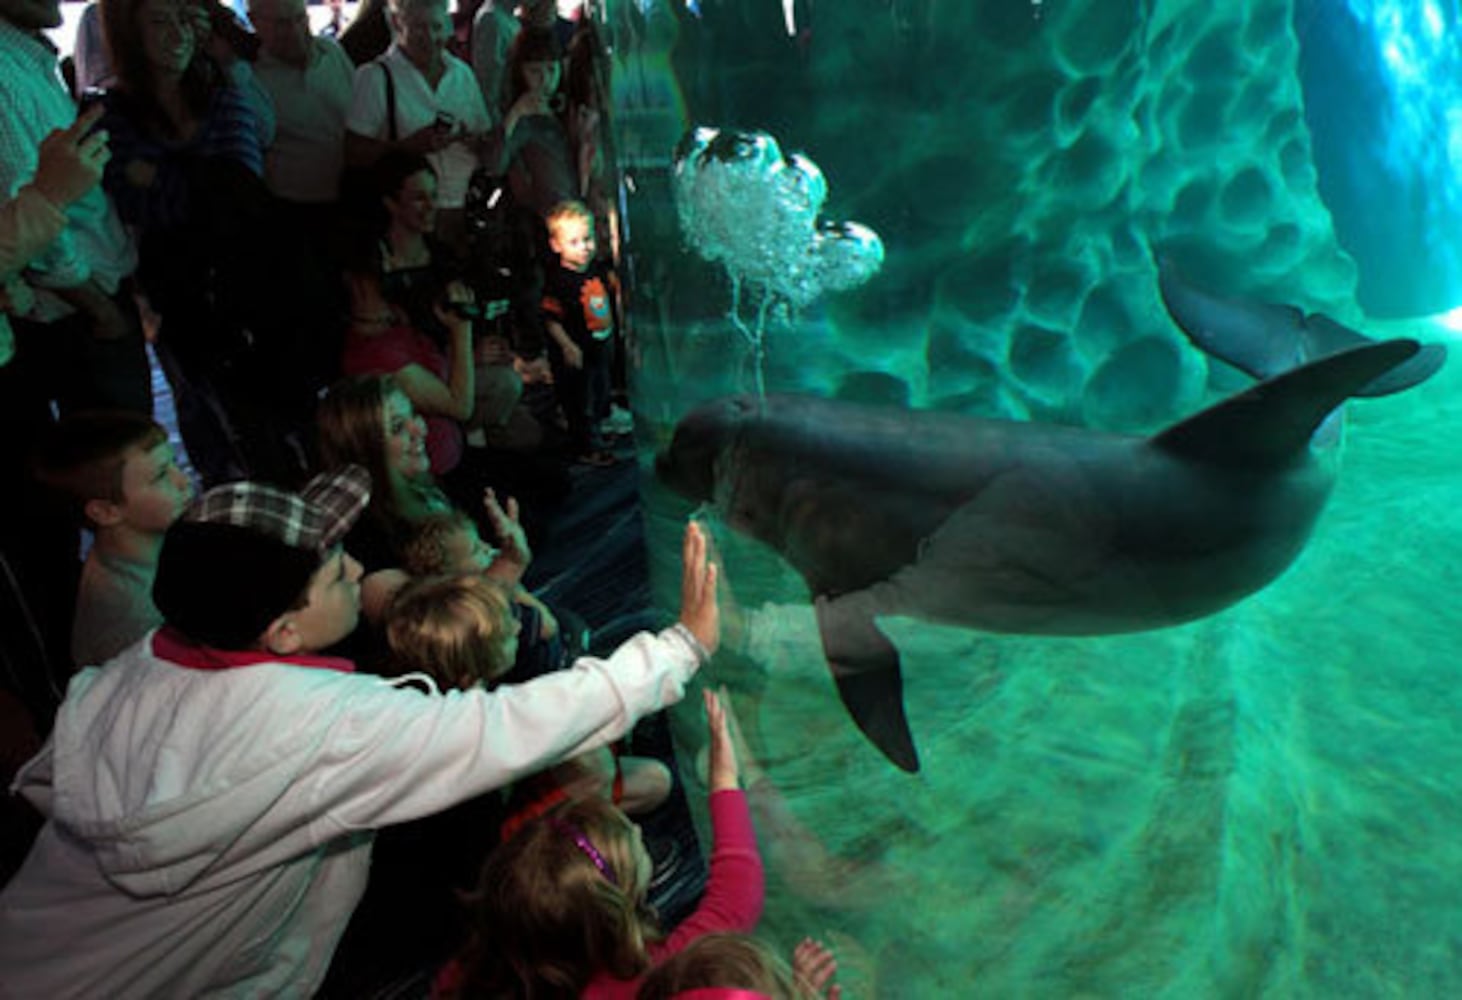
1017	527
1263	339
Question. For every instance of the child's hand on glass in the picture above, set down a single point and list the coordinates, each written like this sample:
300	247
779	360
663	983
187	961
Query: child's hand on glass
813	967
723	771
699	611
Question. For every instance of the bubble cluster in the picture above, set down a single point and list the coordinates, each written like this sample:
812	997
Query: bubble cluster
746	205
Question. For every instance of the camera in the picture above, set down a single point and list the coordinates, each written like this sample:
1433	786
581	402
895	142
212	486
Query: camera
464	310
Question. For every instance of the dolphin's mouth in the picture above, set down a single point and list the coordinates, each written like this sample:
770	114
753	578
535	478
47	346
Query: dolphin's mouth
688	466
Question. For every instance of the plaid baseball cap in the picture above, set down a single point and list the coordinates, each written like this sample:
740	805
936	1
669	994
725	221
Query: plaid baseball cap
315	518
243	553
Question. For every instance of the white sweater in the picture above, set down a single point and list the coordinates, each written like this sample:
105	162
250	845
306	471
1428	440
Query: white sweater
209	832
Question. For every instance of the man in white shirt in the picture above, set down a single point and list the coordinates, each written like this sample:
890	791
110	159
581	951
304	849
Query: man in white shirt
438	108
309	81
85	315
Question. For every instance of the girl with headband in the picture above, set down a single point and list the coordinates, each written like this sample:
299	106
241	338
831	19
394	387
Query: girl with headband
560	909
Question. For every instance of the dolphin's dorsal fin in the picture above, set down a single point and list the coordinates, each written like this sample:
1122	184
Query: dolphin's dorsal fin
1271	423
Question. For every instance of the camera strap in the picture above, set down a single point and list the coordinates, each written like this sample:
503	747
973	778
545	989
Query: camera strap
390	100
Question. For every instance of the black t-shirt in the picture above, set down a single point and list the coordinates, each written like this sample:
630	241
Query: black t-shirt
582	302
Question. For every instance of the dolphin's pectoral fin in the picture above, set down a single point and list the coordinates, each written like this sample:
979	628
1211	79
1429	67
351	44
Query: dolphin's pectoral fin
865	667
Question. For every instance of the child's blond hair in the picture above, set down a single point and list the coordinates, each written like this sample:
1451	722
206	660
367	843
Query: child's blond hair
425	554
727	961
452	627
564	211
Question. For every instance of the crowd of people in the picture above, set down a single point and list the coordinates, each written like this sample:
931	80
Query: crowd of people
379	280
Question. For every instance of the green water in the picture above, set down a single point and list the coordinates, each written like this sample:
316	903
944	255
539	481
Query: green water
1261	803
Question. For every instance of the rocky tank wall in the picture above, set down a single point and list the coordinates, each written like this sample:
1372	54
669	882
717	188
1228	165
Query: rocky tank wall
1025	171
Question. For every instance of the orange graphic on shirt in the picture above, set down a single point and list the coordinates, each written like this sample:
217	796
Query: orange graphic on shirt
595	300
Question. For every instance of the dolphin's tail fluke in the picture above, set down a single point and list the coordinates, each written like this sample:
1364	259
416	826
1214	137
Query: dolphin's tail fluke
1324	337
1267	340
865	667
1272	423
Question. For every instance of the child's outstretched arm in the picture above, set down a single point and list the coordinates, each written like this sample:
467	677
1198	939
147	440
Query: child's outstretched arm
736	887
412	756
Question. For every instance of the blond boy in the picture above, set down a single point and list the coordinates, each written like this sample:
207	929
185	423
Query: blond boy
579	312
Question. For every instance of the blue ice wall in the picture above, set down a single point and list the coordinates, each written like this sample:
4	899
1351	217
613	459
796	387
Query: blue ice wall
1383	101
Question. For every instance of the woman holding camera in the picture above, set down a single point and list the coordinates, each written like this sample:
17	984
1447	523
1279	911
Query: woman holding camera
412	317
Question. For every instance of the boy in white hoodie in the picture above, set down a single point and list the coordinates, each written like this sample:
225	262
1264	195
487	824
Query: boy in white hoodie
211	792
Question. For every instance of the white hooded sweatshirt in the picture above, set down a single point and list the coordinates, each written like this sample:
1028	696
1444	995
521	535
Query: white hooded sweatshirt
209	830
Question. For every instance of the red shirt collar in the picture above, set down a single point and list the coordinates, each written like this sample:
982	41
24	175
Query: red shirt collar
171	645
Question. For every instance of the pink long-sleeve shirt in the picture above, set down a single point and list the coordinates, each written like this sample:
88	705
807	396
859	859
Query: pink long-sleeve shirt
733	899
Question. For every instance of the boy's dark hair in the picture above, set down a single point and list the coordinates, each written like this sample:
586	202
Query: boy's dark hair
258	579
81	457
